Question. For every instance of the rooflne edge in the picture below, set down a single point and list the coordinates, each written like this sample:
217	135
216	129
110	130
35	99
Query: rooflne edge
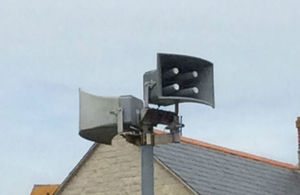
234	152
91	150
238	153
175	175
186	141
77	167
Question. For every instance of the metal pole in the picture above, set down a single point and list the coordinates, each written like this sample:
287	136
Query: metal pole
147	170
147	86
176	108
147	150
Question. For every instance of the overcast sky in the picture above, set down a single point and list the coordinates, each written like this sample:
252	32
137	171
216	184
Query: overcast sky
49	49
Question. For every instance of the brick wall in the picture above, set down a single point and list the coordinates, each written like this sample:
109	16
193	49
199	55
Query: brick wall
116	169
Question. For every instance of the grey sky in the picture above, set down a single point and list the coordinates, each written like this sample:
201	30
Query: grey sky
48	49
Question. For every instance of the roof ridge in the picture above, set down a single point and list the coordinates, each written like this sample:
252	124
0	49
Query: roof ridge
233	152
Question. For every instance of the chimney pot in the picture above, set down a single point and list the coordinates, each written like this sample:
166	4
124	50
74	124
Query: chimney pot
298	123
298	127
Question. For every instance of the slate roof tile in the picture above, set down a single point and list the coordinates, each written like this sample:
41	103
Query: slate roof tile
210	171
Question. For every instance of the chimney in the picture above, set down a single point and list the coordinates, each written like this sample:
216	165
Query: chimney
298	127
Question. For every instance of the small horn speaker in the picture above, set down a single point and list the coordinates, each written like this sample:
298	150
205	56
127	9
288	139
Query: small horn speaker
180	78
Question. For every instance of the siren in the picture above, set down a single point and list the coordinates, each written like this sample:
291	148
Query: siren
101	118
180	78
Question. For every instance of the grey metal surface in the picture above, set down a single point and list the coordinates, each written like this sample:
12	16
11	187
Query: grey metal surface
96	110
147	170
193	72
96	120
132	107
101	118
211	172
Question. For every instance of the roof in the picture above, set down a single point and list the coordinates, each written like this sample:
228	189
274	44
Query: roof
44	189
77	167
233	152
211	169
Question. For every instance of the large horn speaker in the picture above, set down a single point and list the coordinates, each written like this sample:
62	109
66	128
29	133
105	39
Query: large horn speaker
98	120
